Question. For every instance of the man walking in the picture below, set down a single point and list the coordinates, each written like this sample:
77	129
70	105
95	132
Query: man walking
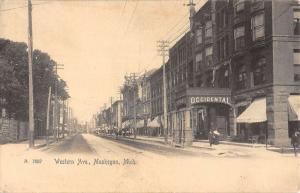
295	140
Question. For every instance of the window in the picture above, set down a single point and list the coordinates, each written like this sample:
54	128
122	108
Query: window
296	64
257	4
208	55
259	71
239	6
199	58
296	22
208	51
242	77
239	37
199	82
209	79
208	29
257	26
222	19
223	78
199	36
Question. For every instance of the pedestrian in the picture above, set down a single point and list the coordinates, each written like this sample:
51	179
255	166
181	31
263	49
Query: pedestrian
211	138
295	140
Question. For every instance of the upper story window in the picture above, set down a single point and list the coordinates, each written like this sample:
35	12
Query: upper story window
208	51
239	5
208	29
222	19
297	65
259	71
199	36
258	26
242	77
208	55
239	37
257	4
296	22
199	59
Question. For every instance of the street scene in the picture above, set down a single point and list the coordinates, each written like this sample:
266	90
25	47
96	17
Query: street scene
148	167
149	96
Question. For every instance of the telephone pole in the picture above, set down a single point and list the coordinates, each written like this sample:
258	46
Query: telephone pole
48	116
56	110
131	81
111	114
163	49
30	49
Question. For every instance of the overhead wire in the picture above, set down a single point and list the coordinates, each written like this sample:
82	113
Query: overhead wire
131	17
25	6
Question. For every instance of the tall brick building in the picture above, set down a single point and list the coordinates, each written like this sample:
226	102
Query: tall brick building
237	70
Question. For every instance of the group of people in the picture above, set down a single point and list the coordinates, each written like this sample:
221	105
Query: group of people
213	138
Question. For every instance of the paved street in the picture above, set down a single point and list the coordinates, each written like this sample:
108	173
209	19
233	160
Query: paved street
85	163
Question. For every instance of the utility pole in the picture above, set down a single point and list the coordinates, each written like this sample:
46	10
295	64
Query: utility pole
48	117
111	114
191	4
63	118
131	81
163	49
55	117
30	50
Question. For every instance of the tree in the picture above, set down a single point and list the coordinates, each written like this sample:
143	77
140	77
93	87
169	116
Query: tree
14	80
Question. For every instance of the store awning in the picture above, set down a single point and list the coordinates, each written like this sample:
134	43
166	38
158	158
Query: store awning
294	107
140	124
154	123
126	124
255	113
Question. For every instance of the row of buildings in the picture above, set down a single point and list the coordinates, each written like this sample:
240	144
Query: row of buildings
236	70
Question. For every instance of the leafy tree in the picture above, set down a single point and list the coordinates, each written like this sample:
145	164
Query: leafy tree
14	80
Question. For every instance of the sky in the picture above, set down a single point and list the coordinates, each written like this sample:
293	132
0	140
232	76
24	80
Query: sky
97	41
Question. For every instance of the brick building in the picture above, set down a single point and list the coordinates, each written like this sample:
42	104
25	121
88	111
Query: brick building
244	56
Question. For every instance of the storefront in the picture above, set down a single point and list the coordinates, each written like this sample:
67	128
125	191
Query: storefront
198	112
252	122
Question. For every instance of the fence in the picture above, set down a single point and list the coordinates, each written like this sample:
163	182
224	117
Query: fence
12	130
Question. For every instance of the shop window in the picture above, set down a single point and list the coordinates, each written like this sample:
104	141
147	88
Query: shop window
239	37
296	22
258	27
242	77
259	71
239	5
199	36
199	57
208	29
208	55
297	65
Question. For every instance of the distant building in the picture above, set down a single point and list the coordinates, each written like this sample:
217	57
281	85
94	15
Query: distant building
117	112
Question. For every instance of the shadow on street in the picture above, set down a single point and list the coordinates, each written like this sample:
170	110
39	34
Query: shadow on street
73	145
158	149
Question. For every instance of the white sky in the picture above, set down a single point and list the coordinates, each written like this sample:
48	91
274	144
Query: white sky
97	41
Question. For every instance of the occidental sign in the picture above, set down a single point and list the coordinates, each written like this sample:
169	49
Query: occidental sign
210	99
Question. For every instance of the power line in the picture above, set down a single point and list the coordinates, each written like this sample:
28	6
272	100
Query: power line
25	6
178	31
131	17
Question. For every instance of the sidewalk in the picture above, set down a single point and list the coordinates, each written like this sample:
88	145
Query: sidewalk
204	144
